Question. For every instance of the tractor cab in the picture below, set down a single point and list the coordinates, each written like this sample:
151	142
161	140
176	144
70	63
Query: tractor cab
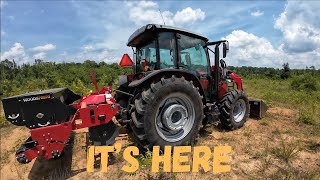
161	47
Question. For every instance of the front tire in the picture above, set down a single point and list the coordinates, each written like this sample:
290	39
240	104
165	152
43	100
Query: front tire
234	109
169	112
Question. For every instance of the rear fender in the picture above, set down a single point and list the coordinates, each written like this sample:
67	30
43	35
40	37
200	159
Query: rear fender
237	79
167	73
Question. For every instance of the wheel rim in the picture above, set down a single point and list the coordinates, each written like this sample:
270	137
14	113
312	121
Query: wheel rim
175	117
239	110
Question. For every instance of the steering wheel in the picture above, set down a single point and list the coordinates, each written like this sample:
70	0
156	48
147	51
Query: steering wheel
184	66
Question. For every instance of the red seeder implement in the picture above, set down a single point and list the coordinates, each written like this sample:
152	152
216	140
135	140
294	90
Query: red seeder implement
51	117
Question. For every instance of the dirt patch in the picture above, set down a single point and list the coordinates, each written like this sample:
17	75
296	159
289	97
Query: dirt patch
11	140
282	111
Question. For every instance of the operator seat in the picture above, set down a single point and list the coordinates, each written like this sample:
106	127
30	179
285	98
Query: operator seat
188	60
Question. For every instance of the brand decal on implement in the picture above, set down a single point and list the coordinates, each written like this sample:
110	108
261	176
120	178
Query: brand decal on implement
29	99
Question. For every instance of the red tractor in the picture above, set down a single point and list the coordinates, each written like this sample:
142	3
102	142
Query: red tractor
174	91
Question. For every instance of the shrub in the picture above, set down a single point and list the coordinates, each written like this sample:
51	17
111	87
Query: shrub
306	118
304	83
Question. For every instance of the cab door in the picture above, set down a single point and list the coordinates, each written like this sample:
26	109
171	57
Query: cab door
193	58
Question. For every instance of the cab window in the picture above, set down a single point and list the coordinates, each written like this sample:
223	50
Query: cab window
192	54
147	57
167	50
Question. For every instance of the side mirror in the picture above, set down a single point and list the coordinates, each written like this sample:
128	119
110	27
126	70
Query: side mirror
126	61
225	49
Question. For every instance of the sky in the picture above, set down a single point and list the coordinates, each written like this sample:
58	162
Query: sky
260	33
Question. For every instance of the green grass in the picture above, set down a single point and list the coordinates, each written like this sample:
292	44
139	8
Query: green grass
280	93
264	122
306	117
145	160
286	151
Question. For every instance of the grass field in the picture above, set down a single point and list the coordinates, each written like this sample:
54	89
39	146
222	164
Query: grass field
280	93
285	144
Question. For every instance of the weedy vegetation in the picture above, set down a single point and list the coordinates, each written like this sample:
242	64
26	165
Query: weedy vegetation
286	151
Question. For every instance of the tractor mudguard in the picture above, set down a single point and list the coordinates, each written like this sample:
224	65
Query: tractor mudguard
237	79
158	74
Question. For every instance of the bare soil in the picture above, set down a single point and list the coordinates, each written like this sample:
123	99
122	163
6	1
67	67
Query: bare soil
275	147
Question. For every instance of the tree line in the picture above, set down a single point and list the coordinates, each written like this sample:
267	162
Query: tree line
76	76
274	73
45	75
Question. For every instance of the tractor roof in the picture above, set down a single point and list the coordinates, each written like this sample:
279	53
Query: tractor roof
154	27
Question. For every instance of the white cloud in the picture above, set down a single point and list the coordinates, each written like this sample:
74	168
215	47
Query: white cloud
3	3
144	12
11	18
17	52
46	47
257	13
300	26
247	49
87	47
64	53
3	33
188	15
40	55
143	4
300	46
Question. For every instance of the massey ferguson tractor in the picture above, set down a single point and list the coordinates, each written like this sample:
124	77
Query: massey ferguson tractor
176	89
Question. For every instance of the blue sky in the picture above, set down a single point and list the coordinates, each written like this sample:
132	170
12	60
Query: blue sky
261	33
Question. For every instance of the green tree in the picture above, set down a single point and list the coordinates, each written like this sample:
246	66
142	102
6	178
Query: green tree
285	72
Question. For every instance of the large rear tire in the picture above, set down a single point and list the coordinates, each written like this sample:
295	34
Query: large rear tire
169	112
234	109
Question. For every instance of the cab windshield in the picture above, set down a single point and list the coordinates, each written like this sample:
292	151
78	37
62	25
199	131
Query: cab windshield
147	54
191	53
